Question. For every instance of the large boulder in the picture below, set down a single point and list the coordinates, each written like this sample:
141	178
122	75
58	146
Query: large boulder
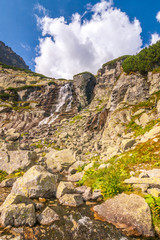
35	183
13	160
129	212
71	200
18	215
57	160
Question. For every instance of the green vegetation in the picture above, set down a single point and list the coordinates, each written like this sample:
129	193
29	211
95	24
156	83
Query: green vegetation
111	180
23	70
23	88
75	118
145	61
3	175
5	96
112	62
83	73
154	204
139	130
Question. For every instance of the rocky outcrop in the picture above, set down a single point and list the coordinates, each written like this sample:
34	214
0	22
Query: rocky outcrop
9	57
48	216
128	212
84	84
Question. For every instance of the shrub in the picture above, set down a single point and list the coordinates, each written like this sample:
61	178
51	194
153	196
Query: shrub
145	61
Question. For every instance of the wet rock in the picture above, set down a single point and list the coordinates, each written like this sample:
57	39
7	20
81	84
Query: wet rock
64	188
72	200
35	183
59	159
129	212
76	177
48	216
18	215
8	182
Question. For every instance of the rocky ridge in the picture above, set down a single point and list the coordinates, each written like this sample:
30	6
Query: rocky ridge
9	57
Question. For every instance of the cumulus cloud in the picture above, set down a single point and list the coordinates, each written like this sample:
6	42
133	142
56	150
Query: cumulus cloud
41	9
158	17
154	38
67	48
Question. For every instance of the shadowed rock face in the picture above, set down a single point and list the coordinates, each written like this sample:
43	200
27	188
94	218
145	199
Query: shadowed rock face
9	57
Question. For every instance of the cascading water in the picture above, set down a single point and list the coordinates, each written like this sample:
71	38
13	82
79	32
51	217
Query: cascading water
64	98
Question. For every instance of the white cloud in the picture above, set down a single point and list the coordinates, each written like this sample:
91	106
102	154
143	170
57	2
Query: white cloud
154	38
41	9
158	17
26	47
69	48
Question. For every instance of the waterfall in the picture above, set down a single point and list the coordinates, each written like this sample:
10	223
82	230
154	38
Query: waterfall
64	97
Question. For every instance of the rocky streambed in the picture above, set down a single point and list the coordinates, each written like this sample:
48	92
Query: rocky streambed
74	223
29	210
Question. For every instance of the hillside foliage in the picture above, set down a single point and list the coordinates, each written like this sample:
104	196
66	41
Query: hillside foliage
145	61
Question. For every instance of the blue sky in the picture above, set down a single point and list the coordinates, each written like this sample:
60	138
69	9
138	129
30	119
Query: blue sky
19	30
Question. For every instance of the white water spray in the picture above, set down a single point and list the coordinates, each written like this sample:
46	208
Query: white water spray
64	97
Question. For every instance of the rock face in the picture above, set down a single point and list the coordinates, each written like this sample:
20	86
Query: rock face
84	85
35	183
129	212
10	58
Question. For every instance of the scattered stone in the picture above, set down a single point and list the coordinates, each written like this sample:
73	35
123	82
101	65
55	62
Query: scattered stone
127	143
143	187
81	189
152	182
143	175
13	137
39	206
144	119
76	177
129	212
57	160
35	183
18	215
97	194
155	192
90	165
154	173
87	195
8	182
42	200
48	216
65	188
73	168
71	200
102	166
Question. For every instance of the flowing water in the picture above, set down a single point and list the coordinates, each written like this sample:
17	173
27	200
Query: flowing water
65	99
